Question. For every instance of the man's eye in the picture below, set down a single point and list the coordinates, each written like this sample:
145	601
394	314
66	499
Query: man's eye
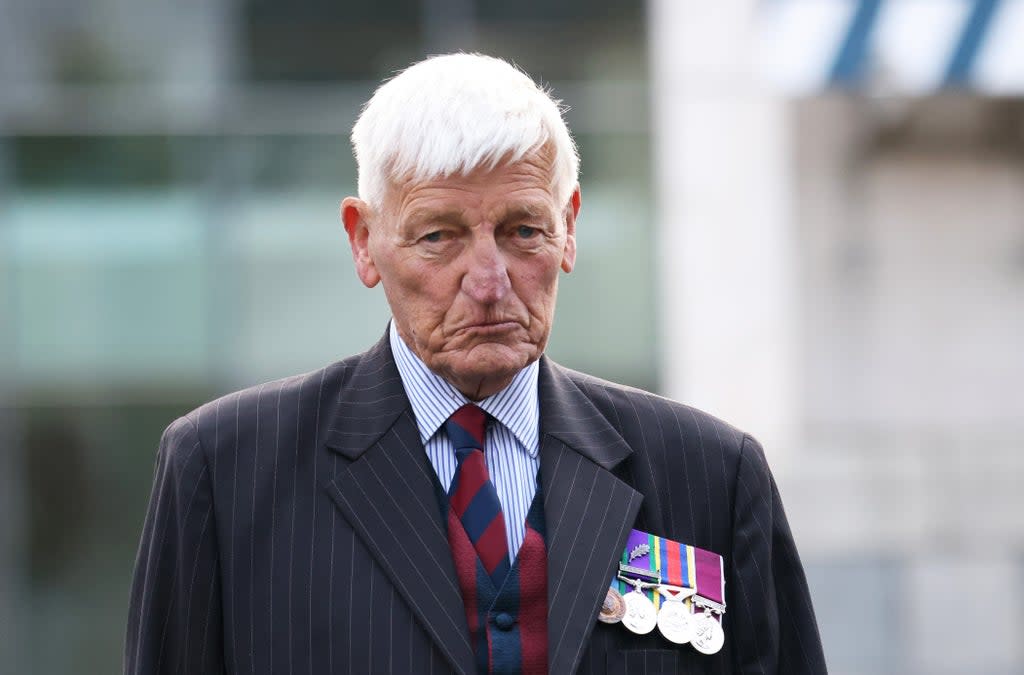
433	237
525	231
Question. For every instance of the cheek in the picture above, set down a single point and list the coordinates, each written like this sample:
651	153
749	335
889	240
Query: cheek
403	275
545	272
537	284
424	296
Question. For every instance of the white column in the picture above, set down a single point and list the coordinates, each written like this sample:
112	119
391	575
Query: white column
725	230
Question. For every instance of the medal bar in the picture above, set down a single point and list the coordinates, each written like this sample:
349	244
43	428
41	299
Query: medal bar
677	588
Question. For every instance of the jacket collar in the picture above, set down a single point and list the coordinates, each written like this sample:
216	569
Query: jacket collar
373	399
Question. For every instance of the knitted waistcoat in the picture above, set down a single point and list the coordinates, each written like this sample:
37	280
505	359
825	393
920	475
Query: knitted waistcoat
508	626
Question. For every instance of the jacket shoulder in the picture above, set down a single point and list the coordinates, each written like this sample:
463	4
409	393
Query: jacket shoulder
330	377
631	410
219	422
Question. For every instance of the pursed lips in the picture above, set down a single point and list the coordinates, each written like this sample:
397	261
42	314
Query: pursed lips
489	327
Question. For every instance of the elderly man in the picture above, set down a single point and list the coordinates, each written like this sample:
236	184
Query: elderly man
451	500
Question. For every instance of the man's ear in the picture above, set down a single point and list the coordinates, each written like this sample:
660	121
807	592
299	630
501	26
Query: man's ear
572	209
354	215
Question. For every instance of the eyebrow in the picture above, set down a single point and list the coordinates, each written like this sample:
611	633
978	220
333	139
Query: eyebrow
522	211
418	216
525	211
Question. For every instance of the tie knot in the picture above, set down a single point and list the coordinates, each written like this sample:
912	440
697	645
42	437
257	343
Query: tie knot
466	427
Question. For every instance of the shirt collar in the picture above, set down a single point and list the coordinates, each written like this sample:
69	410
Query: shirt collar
434	399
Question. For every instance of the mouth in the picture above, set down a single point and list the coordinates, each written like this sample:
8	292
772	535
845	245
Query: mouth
490	327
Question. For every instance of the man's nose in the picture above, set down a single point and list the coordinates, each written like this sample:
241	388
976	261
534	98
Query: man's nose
486	279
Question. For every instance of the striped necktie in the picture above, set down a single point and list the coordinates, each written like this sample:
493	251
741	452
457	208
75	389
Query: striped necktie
472	495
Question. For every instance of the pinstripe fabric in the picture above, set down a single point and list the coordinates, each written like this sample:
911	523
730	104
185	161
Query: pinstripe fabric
511	448
294	528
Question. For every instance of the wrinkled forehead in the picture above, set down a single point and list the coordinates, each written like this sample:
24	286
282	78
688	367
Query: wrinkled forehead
539	163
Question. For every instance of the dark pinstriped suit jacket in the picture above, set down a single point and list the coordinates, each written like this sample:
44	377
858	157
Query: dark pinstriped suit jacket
294	529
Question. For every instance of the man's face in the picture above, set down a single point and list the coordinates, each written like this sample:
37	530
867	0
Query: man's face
470	267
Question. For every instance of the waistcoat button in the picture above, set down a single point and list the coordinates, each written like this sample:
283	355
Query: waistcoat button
504	621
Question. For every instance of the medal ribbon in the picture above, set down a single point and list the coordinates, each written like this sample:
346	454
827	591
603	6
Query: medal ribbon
710	575
673	563
711	578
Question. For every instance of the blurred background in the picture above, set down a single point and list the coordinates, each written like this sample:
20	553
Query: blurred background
804	216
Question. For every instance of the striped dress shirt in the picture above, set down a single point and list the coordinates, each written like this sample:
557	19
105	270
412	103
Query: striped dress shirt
512	446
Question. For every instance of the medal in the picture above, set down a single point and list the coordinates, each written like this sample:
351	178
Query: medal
675	621
708	636
640	617
613	608
639	613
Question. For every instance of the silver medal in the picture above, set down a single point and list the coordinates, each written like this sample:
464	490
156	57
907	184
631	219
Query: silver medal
675	622
640	617
708	636
675	619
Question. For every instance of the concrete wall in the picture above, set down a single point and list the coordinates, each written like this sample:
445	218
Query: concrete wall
907	496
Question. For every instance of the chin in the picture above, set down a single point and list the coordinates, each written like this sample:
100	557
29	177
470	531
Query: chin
489	362
490	368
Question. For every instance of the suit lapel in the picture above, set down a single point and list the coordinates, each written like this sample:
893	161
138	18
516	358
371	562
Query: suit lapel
588	512
387	493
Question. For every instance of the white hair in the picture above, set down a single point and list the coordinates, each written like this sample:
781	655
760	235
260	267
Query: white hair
452	114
